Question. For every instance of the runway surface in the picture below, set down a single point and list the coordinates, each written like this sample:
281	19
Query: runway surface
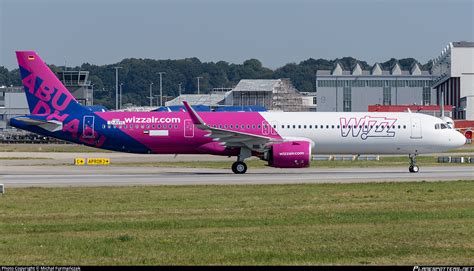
52	176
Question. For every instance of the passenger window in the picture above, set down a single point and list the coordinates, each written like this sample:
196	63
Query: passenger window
152	126
304	126
332	127
283	126
322	126
299	126
404	126
274	126
148	126
338	127
288	126
253	126
343	126
225	126
103	126
231	126
261	126
248	126
311	126
158	126
170	126
220	126
327	126
398	126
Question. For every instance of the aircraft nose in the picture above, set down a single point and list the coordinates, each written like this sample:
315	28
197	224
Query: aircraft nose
458	139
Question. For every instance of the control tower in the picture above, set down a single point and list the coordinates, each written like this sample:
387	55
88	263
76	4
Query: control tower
77	82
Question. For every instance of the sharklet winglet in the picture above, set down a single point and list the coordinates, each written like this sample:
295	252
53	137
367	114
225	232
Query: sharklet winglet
194	116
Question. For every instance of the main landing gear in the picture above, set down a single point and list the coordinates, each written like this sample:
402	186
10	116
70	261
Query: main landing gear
240	167
413	168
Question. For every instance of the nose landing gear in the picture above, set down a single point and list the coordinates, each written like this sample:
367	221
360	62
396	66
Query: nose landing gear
413	168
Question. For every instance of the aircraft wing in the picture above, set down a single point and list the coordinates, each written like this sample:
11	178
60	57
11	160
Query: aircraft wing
49	125
230	138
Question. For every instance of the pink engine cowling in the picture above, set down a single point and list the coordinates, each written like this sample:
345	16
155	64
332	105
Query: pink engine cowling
291	154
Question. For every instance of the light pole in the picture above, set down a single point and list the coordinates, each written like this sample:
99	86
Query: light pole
151	94
92	97
179	89
116	87
161	88
121	84
199	77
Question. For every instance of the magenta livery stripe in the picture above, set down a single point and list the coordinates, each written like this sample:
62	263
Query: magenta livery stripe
176	125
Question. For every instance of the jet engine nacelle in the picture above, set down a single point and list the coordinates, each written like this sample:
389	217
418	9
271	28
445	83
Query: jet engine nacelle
290	154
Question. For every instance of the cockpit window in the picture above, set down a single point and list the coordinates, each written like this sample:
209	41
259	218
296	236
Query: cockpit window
444	126
437	126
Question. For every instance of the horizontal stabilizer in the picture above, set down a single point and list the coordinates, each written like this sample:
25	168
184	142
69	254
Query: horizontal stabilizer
48	125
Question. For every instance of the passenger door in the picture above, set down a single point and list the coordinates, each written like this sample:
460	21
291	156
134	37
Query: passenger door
188	128
88	127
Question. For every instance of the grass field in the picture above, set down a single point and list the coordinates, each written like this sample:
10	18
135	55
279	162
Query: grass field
386	223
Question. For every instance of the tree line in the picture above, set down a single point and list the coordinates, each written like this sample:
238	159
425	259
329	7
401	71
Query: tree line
137	74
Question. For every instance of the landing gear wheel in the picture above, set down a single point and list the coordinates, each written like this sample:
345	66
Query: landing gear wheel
413	168
239	167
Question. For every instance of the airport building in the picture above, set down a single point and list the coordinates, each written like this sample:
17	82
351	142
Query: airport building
273	94
12	103
354	89
212	99
453	78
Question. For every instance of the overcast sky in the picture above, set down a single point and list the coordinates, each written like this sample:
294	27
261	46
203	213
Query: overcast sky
275	32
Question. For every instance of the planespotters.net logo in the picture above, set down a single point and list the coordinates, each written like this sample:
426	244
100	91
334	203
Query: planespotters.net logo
443	268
